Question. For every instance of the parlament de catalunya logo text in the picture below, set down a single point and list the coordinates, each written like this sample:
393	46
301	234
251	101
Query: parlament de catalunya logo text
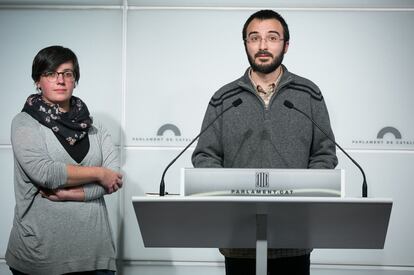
388	135
164	135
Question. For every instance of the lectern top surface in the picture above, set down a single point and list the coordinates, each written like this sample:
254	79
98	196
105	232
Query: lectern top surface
177	198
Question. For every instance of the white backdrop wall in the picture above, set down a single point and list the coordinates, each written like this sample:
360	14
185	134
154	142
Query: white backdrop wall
149	68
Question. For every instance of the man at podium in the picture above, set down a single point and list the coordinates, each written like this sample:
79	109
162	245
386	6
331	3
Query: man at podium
262	132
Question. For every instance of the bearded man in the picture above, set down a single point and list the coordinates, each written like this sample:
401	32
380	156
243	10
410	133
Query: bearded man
262	132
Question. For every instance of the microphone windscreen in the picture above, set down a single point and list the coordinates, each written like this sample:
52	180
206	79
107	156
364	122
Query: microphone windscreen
288	104
237	102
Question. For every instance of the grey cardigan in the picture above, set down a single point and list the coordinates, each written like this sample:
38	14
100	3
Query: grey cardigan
57	237
255	136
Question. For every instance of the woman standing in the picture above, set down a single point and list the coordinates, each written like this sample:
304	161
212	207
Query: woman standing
64	164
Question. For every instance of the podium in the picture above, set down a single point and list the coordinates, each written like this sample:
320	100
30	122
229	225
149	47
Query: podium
262	222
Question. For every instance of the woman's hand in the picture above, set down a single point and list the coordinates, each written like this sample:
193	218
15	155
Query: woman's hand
110	180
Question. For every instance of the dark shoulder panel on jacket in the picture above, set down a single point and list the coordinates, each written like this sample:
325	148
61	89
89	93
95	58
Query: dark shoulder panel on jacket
305	85
229	90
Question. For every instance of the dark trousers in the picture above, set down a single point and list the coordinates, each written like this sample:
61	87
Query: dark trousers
95	272
282	266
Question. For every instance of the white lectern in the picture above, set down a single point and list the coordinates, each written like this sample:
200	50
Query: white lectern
263	222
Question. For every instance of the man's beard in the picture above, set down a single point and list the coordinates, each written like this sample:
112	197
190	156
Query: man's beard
265	69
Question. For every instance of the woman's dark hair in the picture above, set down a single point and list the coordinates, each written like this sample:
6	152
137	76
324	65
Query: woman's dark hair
50	58
265	15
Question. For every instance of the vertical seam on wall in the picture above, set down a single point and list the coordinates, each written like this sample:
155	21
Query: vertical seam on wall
121	200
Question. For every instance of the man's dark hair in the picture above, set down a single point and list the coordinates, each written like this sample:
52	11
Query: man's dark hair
265	15
50	58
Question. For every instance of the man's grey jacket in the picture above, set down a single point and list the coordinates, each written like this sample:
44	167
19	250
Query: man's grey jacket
255	136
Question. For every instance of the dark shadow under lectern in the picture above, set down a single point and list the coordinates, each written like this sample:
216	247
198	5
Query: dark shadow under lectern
263	222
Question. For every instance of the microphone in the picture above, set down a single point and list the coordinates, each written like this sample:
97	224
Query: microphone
235	103
290	105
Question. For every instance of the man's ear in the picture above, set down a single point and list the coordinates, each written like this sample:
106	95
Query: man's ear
286	46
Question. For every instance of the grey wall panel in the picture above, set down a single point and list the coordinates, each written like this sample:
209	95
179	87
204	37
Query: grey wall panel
389	175
143	169
94	35
174	66
360	270
353	57
175	269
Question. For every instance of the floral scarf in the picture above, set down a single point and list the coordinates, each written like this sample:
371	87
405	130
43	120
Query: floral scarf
72	125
